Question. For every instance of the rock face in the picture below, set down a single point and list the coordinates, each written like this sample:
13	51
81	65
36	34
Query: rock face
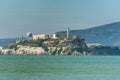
23	50
28	50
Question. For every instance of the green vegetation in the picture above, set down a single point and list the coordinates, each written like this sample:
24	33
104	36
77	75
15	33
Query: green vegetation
105	50
12	46
82	49
32	43
45	48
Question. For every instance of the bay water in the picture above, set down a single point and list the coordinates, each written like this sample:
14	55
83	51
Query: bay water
33	67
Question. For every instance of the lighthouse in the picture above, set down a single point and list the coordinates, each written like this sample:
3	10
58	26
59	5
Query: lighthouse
68	33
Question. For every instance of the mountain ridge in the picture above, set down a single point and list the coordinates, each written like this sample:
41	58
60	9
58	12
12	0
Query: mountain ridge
107	34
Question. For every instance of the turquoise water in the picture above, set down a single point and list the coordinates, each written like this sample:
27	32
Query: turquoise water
26	67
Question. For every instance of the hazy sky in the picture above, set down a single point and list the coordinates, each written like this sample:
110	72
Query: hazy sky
17	17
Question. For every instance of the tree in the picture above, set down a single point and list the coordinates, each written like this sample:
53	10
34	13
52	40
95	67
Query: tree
12	46
45	48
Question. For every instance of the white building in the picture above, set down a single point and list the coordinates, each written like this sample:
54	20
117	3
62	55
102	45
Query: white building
53	36
40	36
45	36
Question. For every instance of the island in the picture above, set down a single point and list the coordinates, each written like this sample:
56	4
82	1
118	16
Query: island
56	44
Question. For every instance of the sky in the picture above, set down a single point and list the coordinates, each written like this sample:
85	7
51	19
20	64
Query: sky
17	17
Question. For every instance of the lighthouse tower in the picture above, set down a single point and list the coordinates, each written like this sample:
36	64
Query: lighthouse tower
68	33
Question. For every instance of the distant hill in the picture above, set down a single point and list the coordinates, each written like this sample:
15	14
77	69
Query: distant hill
7	41
108	34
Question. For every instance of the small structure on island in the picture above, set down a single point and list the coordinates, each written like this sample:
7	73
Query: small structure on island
68	33
29	35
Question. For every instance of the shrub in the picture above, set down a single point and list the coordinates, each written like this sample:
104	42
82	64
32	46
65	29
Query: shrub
12	46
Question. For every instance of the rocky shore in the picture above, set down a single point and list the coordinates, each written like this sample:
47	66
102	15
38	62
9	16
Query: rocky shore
26	50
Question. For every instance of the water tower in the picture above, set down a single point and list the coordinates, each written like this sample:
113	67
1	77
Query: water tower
29	35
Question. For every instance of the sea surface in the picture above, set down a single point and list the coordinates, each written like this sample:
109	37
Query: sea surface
31	67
